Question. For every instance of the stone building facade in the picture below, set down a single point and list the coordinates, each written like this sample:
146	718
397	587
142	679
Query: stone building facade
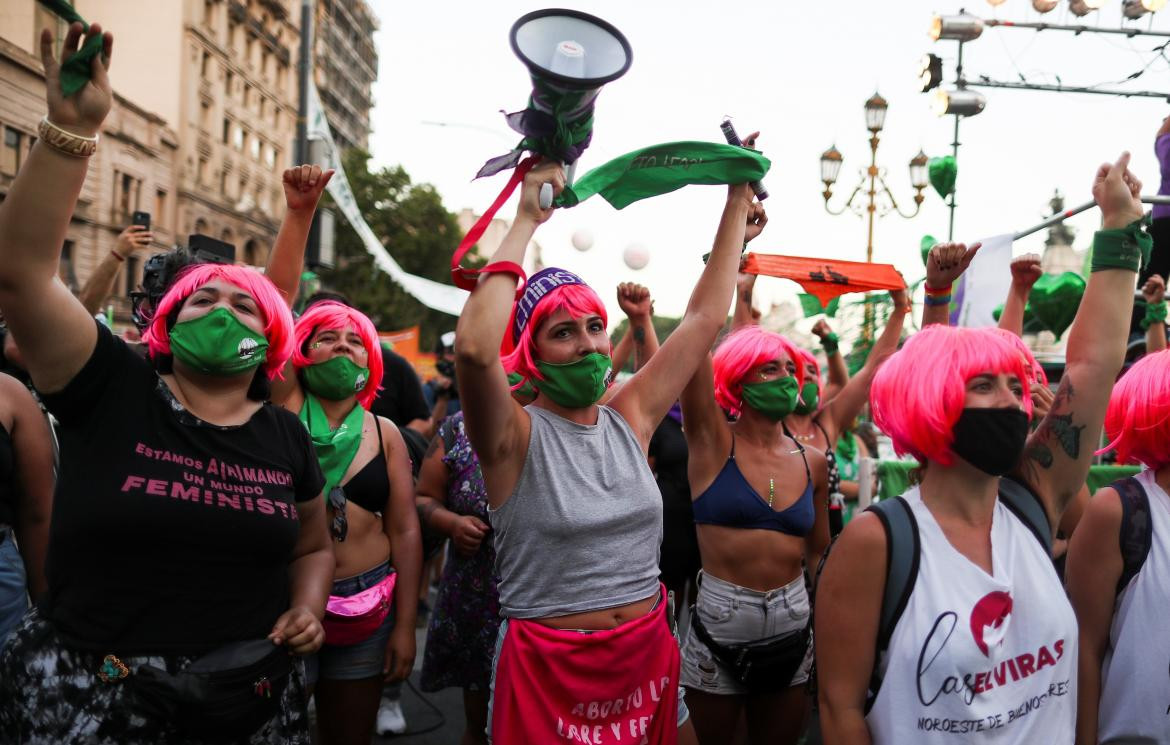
346	66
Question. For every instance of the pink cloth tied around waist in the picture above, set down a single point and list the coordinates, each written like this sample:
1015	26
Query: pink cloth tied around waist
613	687
354	618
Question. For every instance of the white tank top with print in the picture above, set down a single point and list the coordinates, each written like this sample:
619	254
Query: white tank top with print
1135	675
979	658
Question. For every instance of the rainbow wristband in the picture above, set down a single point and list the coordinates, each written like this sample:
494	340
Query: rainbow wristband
937	291
935	300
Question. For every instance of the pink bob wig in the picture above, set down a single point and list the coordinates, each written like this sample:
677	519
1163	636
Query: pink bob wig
331	316
919	393
1039	377
807	357
1137	421
578	299
278	323
739	353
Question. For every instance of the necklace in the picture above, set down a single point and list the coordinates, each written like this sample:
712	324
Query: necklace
804	438
771	490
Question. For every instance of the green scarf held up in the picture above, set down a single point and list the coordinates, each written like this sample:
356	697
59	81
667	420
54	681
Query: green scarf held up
661	169
75	71
335	448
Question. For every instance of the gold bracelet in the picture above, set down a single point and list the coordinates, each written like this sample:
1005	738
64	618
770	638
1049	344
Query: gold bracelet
69	143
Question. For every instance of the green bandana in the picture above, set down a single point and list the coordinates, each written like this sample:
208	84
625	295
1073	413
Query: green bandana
337	447
808	399
578	384
75	71
525	390
847	447
775	398
336	379
661	169
218	343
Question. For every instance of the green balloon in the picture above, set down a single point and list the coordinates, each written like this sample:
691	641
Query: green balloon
925	245
1054	300
943	172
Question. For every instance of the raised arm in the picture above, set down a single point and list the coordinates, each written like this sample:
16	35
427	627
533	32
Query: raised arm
635	302
838	372
838	412
621	351
100	284
646	398
945	263
743	315
1060	451
496	425
55	333
1025	271
302	191
1154	291
706	430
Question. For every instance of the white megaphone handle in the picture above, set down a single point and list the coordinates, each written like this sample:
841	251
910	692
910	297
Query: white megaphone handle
546	190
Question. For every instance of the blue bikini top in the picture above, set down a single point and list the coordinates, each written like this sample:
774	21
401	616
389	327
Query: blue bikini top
732	502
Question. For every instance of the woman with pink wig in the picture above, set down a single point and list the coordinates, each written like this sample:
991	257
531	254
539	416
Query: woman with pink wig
945	613
333	377
576	516
760	505
1118	567
188	554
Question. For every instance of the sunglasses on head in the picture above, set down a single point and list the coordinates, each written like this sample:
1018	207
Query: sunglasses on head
340	526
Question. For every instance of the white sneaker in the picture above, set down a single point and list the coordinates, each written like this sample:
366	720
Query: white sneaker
390	718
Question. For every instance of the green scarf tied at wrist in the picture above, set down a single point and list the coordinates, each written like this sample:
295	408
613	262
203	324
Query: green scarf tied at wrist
335	448
661	169
1121	248
1155	313
75	71
831	342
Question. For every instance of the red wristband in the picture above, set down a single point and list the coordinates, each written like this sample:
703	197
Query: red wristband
508	267
116	255
936	291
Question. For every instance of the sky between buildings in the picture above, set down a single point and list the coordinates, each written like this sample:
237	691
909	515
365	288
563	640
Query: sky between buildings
800	72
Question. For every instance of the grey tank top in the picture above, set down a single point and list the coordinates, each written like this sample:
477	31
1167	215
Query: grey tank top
583	528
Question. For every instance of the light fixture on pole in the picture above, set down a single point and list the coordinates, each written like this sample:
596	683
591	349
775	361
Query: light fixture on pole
1084	7
1134	9
961	27
930	72
1044	6
960	102
875	113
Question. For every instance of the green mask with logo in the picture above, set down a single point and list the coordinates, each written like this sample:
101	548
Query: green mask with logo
218	343
336	379
578	384
775	399
808	399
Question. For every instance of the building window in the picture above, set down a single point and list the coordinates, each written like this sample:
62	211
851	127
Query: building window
204	172
252	253
12	153
270	156
242	190
247	95
160	208
209	14
205	116
249	49
255	148
227	130
275	164
205	65
132	263
229	83
127	190
238	138
200	226
65	268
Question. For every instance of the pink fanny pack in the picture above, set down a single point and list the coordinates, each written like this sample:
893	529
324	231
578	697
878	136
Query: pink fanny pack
355	618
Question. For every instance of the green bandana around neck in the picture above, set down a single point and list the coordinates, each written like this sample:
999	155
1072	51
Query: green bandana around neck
847	446
661	169
218	343
336	379
577	384
809	398
775	399
335	448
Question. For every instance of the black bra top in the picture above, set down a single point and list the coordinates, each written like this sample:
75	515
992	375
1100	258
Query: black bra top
369	488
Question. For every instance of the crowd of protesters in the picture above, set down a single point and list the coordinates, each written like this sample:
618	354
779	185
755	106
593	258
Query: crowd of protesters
233	513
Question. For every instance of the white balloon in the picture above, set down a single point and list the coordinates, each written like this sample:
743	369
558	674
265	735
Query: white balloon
583	240
636	256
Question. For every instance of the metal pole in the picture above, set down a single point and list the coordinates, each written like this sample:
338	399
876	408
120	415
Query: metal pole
955	145
304	71
1151	199
984	82
867	329
1076	29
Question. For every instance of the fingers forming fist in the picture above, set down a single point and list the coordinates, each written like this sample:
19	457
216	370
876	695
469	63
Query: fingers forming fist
947	262
299	630
303	185
757	220
1154	290
1026	270
821	329
634	300
468	534
133	237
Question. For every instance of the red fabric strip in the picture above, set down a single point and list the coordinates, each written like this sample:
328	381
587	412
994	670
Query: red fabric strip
464	277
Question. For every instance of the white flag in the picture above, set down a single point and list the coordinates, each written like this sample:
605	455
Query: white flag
435	295
985	284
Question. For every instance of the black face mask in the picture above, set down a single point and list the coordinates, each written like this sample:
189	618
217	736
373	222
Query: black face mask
992	440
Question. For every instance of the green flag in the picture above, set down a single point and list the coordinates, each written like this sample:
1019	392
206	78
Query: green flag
661	169
811	305
75	71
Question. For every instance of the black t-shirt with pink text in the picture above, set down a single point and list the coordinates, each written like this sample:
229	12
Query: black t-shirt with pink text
169	535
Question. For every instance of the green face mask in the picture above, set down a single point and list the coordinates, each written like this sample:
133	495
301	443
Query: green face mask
808	399
336	379
524	391
218	343
775	399
575	385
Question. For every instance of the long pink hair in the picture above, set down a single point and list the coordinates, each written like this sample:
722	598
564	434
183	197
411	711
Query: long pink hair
918	394
329	316
1137	421
739	353
578	300
278	323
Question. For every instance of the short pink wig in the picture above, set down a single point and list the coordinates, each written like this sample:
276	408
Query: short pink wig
1039	377
811	359
278	323
919	393
578	300
1137	421
330	316
739	353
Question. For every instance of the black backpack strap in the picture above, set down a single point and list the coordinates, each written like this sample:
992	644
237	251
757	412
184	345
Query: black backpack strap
1137	530
903	550
1026	506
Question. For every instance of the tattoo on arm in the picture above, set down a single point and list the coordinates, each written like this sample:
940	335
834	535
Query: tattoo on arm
1059	427
639	347
436	441
426	509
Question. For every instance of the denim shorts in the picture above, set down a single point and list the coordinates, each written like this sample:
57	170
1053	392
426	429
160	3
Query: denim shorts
13	585
734	614
354	661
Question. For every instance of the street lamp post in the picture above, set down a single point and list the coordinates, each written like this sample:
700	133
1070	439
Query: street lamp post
880	198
